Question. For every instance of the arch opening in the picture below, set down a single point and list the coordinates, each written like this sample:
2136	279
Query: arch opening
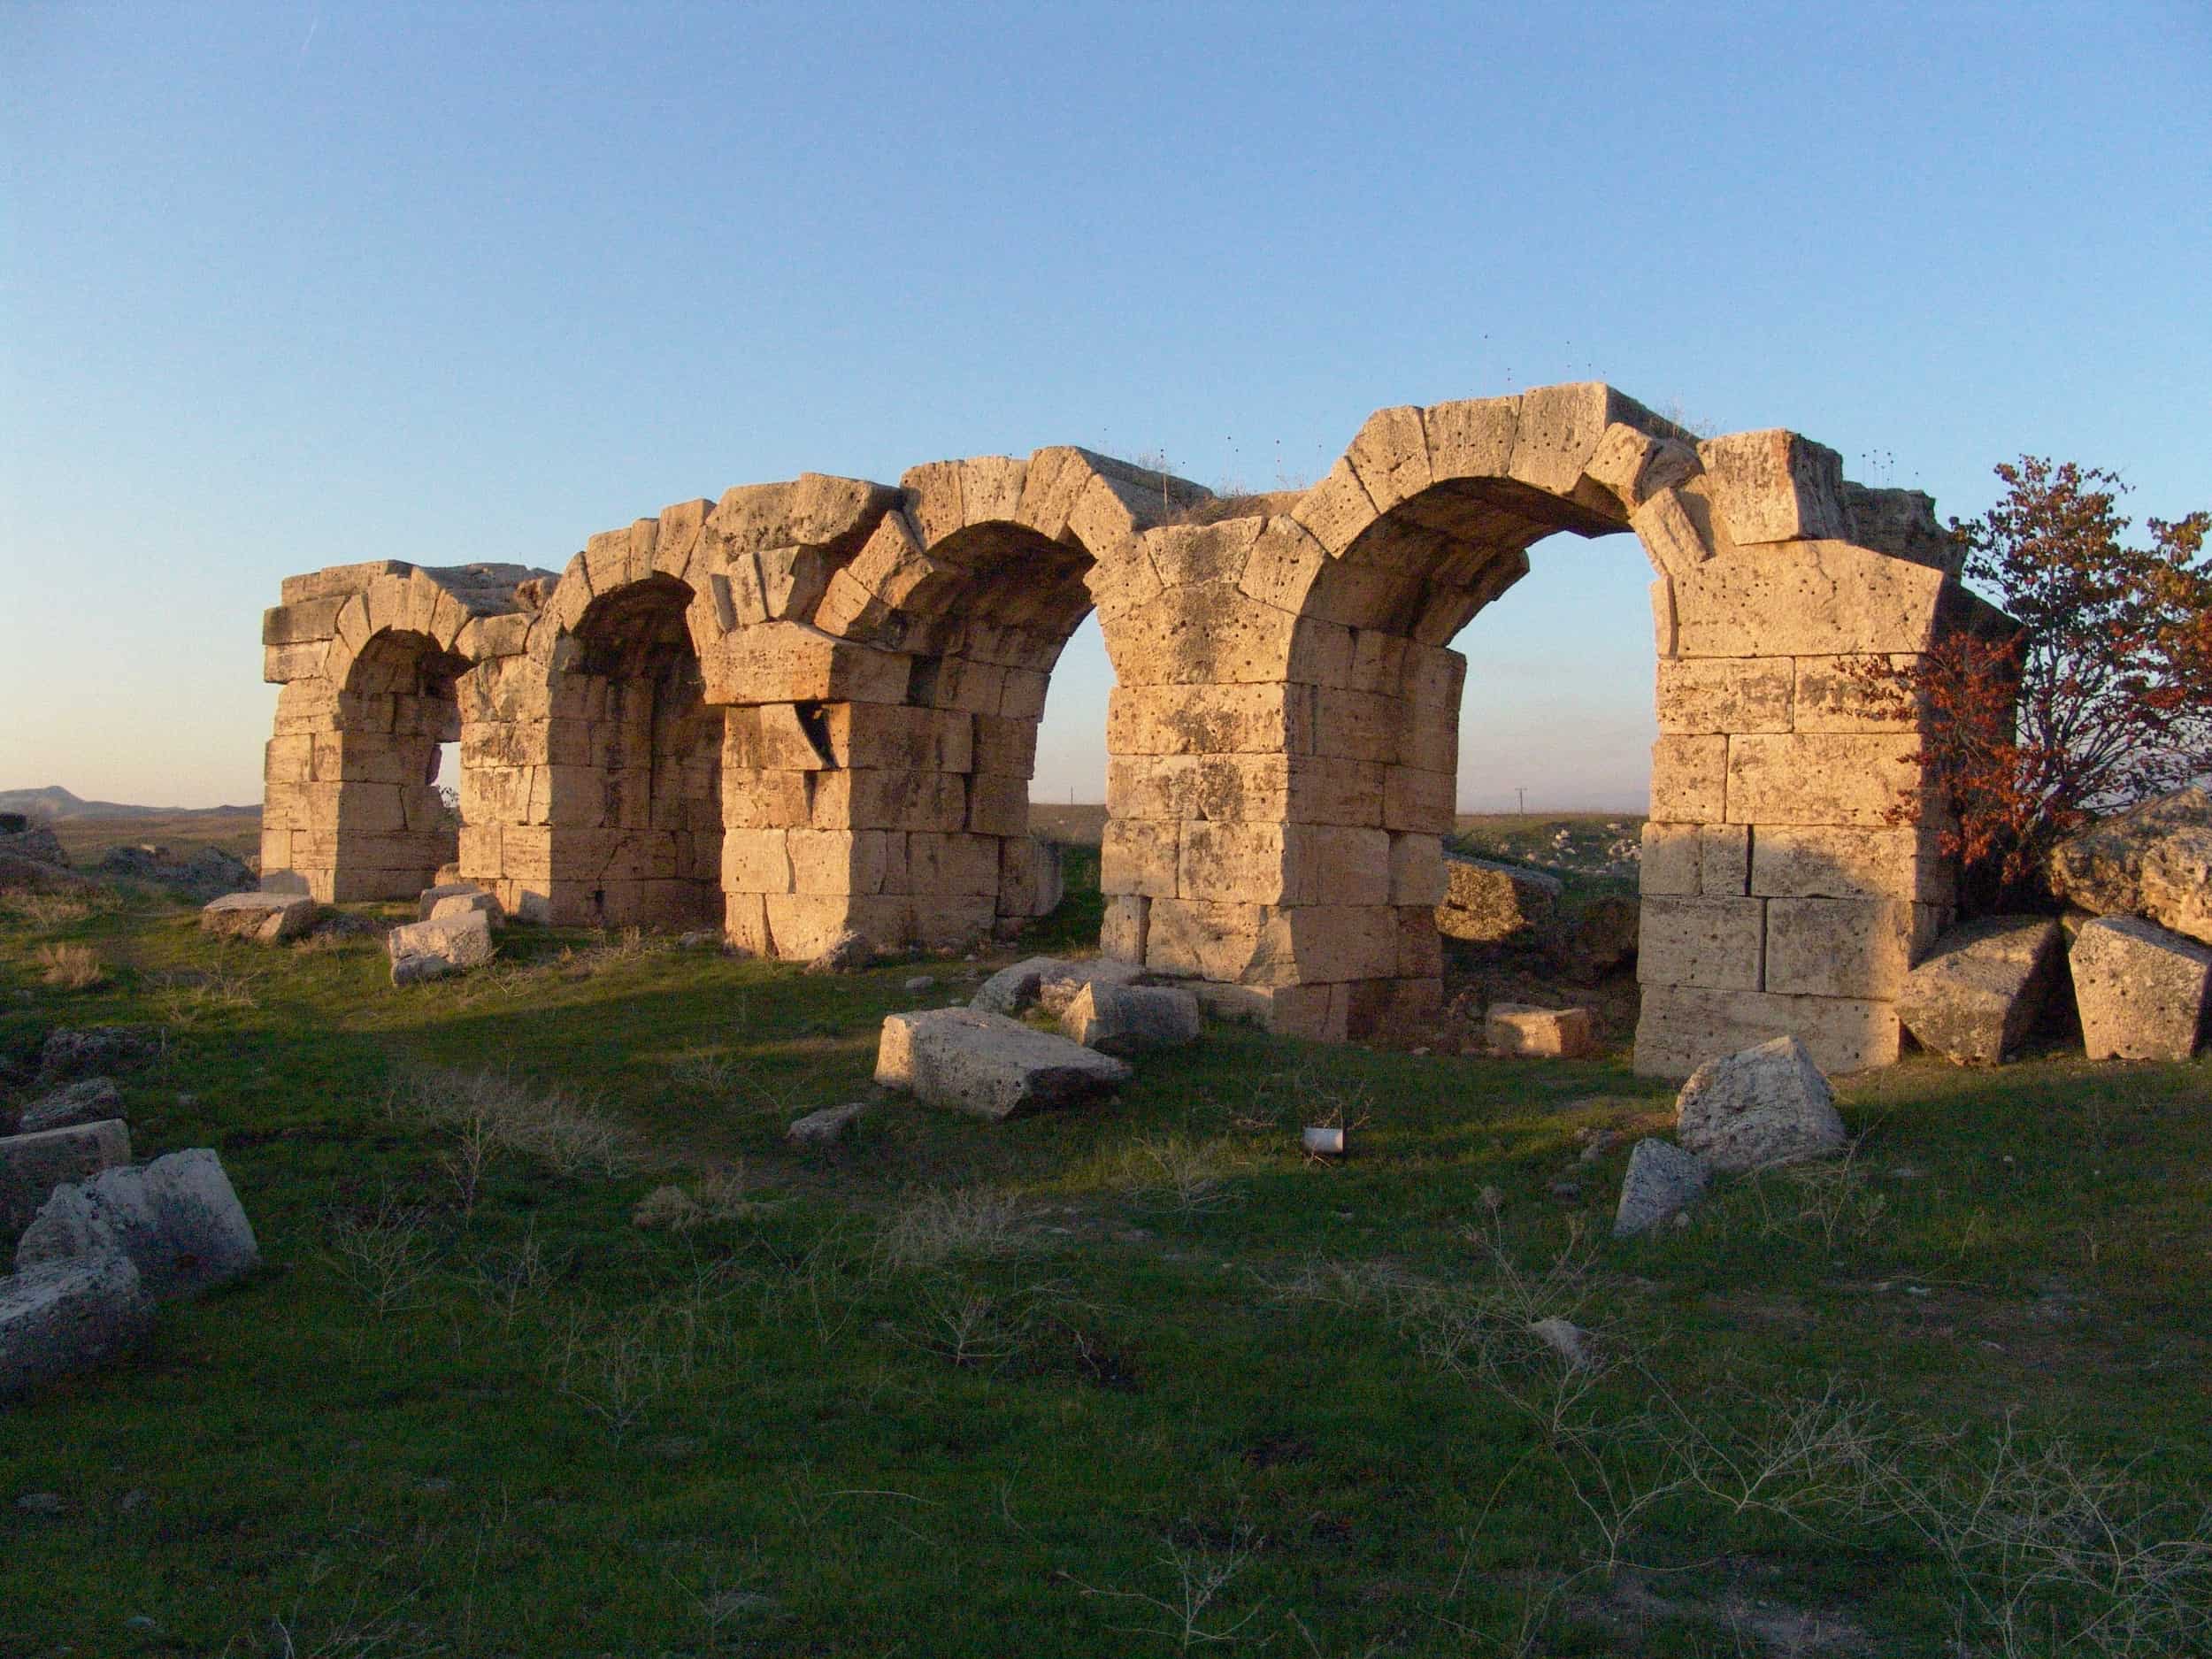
396	708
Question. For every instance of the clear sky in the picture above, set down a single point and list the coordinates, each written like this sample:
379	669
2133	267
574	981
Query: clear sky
291	285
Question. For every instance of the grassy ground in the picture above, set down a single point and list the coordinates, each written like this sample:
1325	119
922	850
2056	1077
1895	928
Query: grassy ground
1138	1379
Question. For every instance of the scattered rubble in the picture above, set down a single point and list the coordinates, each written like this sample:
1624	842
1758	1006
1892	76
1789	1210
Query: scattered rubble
1764	1106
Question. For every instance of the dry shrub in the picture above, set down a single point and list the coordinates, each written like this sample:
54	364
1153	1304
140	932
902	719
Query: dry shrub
670	1208
48	911
70	967
567	1134
941	1226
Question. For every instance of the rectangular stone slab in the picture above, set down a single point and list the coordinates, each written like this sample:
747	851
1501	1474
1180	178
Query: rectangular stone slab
988	1065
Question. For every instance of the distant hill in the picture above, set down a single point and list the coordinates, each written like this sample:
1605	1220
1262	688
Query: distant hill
56	802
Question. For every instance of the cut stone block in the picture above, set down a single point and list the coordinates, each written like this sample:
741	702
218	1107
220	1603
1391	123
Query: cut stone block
2152	861
1519	1028
1766	1106
1713	943
1662	1179
177	1218
1775	486
1129	1019
2143	992
1058	985
1681	1027
457	941
987	1064
267	918
1011	990
441	901
1982	988
89	1100
32	1165
1487	903
69	1316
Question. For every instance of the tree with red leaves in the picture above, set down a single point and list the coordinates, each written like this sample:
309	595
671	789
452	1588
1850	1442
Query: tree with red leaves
2102	698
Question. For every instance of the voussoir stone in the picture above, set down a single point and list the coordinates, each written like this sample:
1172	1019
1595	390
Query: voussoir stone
267	918
88	1100
1521	1028
987	1064
32	1165
1129	1019
67	1316
1979	990
1485	901
177	1218
1662	1179
2153	860
2143	992
1761	1107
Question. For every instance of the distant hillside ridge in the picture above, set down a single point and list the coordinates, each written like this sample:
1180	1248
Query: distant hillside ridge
55	802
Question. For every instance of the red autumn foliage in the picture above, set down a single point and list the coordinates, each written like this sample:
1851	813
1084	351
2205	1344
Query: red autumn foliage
2102	698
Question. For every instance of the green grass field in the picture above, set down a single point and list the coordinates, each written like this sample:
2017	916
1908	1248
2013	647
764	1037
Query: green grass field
1140	1379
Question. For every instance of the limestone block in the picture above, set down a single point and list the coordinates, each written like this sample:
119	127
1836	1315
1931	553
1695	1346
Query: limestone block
873	799
1662	1179
825	860
464	904
1519	1028
32	1165
1030	883
1205	634
1123	932
1419	801
462	941
1842	779
68	1317
949	864
1804	599
342	580
791	662
1420	946
1206	940
1714	944
1490	902
309	620
1054	477
1296	863
1759	1107
1008	747
1060	981
1634	465
1689	780
1982	988
1699	696
1336	509
1682	1026
1670	865
438	893
1128	1019
1417	871
267	918
1724	860
987	1064
1473	438
1246	789
753	799
1558	434
1776	486
1856	693
302	661
1902	524
1677	530
2144	992
1851	947
1810	861
178	1220
1012	989
1209	720
1665	635
91	1100
2154	860
1391	456
1282	565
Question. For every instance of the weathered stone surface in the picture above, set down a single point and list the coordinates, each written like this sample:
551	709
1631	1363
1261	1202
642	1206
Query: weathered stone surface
1520	1028
848	953
1060	982
89	1100
1720	944
426	907
69	1316
1681	1027
1129	1018
457	941
177	1218
1761	1107
1662	1179
1489	903
1981	987
822	1128
2143	992
987	1064
1775	486
267	918
477	903
1011	990
88	1051
32	1165
421	969
2152	861
1861	947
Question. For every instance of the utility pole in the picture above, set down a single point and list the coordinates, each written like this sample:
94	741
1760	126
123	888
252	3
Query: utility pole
1522	795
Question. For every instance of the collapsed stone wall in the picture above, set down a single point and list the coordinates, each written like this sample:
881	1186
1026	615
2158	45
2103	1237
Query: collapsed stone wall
813	706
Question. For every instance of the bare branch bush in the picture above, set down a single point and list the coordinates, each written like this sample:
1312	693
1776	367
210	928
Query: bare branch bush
968	1222
1186	1614
560	1130
1175	1175
385	1256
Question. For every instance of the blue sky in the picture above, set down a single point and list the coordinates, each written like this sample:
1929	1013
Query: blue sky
291	285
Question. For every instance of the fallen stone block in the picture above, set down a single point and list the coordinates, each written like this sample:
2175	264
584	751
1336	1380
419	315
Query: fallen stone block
2152	861
820	1128
1129	1019
987	1064
32	1165
178	1219
1011	990
1662	1180
428	907
267	918
849	952
2143	992
1060	985
65	1317
1486	903
1520	1028
1765	1106
455	941
469	904
90	1100
1980	989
